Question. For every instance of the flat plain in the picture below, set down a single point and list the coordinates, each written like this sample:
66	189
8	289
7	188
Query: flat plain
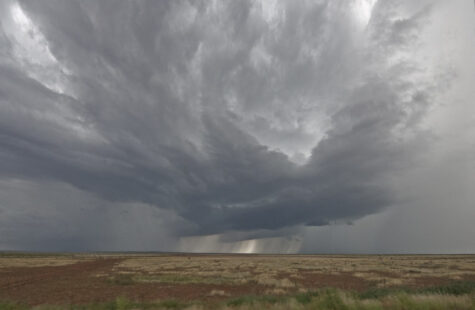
218	281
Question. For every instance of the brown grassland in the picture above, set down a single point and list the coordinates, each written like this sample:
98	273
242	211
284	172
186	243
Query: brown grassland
153	281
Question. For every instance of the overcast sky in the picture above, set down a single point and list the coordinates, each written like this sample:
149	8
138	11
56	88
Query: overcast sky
323	126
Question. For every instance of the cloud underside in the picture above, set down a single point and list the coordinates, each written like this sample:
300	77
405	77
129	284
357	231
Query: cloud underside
231	115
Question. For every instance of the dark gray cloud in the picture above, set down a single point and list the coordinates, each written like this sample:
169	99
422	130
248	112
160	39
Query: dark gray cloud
233	117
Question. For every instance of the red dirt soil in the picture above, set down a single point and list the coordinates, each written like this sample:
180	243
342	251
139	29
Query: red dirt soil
79	284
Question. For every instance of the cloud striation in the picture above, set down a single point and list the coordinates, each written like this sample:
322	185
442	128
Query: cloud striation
245	119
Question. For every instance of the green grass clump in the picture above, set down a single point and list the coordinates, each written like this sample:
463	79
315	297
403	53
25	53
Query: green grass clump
123	303
254	300
251	300
378	293
455	288
171	304
330	299
122	279
6	305
305	298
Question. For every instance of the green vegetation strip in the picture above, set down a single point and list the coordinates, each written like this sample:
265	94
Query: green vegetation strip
459	295
455	289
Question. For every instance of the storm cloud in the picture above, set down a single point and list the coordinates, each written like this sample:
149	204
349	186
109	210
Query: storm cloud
238	119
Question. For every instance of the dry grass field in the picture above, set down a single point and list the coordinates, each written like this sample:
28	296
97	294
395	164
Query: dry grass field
133	281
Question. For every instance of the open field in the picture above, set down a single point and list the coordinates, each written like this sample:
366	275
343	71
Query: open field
136	281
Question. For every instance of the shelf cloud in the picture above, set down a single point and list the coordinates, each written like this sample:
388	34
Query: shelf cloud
238	125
